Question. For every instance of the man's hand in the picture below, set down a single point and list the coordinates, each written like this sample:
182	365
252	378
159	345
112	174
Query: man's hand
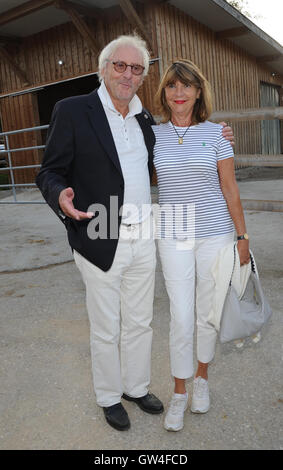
66	203
227	133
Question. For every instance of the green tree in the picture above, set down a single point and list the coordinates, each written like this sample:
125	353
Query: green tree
242	6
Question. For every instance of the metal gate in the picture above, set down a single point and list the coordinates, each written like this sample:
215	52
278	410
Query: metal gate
10	168
270	130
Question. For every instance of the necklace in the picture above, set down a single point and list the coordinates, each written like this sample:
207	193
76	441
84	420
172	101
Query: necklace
180	137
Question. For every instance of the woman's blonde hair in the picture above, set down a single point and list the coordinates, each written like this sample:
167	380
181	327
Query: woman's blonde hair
189	74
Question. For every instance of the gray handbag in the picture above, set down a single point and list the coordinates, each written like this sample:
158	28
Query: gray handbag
246	316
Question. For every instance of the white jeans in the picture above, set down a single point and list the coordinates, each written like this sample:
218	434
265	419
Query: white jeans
181	266
120	307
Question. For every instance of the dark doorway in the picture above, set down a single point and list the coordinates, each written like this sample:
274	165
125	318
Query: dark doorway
53	93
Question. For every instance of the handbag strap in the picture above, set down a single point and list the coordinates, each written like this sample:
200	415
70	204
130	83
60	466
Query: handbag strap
234	262
252	263
253	267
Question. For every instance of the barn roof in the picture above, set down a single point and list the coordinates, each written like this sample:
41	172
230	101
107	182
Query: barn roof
21	18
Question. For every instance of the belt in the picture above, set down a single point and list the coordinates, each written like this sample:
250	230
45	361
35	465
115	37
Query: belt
130	225
138	223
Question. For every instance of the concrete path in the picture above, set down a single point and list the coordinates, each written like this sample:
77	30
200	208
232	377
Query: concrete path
46	397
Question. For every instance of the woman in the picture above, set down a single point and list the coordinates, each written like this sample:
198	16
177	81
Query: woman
195	169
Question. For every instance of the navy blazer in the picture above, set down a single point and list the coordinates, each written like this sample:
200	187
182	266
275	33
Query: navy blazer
80	152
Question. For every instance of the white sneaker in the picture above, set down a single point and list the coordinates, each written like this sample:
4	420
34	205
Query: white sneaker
200	400
174	420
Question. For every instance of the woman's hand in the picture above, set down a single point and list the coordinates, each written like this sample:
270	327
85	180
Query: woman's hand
244	251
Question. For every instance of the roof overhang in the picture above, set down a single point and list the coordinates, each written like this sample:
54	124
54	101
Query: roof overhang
229	23
218	15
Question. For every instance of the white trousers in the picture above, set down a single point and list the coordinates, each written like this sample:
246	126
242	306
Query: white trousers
186	270
120	307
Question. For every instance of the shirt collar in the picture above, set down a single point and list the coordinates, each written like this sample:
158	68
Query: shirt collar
135	105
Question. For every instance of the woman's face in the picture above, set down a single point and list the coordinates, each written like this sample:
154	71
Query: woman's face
181	98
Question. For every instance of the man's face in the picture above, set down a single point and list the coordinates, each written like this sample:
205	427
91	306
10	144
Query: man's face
123	86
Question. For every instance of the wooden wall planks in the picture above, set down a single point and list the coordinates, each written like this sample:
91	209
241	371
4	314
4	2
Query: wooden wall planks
234	75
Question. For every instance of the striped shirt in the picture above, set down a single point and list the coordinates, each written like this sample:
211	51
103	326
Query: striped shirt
188	178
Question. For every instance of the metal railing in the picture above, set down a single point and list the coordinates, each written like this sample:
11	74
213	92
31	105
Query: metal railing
268	113
233	115
11	168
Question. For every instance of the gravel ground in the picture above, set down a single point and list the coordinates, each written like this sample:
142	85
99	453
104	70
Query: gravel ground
47	400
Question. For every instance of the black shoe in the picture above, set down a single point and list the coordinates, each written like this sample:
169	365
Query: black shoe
117	417
149	403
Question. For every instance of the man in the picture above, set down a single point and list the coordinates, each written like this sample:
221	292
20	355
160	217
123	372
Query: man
100	145
98	155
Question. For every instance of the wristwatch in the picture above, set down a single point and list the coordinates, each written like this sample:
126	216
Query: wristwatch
243	237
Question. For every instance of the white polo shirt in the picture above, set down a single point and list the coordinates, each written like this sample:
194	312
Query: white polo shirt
133	156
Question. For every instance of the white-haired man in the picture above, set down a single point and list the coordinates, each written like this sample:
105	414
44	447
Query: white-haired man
99	152
99	159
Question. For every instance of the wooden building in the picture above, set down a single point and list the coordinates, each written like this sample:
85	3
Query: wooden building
49	50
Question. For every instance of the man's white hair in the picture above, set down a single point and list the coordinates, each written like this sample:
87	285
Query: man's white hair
131	40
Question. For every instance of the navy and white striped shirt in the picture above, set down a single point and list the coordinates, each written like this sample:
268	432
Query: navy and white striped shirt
187	174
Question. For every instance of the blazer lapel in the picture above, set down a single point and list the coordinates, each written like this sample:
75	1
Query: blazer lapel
101	127
145	121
